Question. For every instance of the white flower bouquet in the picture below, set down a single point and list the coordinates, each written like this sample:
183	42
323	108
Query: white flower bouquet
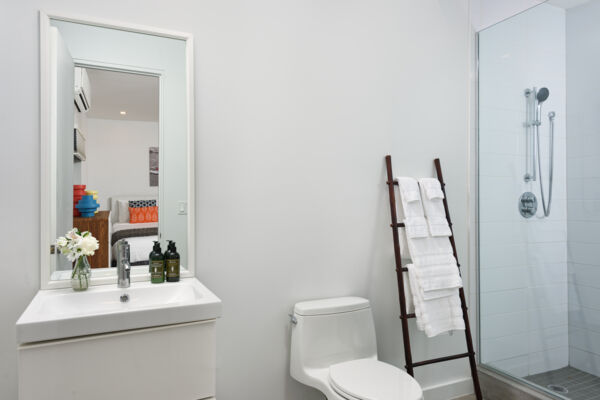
76	244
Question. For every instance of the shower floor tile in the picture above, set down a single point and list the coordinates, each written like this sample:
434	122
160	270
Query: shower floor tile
580	385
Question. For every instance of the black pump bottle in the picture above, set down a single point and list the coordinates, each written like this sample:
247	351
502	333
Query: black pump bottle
156	264
172	262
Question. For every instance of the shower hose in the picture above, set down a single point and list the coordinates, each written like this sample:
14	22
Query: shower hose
545	206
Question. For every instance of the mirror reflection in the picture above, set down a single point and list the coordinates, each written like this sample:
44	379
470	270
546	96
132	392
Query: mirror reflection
115	161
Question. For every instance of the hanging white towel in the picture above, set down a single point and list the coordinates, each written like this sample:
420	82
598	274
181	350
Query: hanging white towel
435	259
438	315
431	188
410	212
410	197
408	296
429	246
437	281
434	280
435	266
416	227
433	205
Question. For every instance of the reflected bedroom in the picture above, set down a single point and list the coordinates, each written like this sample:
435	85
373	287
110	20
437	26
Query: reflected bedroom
114	165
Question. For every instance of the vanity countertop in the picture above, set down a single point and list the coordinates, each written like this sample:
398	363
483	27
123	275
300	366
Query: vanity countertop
63	313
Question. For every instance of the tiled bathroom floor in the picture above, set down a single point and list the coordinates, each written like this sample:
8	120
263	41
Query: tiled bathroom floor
580	385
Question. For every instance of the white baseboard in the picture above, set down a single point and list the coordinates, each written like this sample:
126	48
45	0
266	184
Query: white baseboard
449	390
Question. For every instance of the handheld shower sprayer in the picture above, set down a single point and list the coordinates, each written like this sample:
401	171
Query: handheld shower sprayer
541	96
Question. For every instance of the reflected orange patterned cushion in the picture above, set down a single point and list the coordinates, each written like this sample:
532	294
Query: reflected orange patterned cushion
138	215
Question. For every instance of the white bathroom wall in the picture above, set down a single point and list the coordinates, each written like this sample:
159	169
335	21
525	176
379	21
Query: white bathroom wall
583	145
297	103
523	262
117	158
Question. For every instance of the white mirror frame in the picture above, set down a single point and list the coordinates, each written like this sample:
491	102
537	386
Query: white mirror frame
108	275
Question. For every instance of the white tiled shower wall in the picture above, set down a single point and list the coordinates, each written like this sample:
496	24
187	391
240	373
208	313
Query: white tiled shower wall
583	171
523	278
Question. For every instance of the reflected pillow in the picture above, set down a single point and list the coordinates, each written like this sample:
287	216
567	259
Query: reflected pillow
142	203
139	215
123	211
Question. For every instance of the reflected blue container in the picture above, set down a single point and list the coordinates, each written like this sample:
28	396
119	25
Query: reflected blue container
87	206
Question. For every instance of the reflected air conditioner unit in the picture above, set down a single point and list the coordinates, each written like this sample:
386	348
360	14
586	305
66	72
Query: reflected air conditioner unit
83	91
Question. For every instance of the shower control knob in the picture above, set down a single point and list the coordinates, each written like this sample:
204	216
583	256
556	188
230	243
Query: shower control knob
528	204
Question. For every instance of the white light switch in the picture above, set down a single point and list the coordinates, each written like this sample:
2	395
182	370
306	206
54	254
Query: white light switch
182	208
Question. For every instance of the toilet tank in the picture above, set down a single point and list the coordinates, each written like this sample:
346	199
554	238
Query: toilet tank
331	331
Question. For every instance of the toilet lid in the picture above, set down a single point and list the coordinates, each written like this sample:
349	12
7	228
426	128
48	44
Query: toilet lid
368	379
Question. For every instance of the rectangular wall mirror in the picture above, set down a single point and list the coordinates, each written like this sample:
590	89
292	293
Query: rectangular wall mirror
117	132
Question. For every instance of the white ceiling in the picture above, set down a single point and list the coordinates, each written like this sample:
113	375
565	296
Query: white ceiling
485	13
113	92
566	4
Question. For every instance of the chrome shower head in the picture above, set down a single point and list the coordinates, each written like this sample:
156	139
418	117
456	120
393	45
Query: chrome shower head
542	95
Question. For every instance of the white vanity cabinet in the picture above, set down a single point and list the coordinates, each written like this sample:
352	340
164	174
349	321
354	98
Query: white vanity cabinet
158	344
173	362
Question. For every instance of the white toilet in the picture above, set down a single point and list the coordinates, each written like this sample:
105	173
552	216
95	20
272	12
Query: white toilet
334	350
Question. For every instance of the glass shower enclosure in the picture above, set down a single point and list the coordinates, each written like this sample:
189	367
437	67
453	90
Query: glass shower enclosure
539	197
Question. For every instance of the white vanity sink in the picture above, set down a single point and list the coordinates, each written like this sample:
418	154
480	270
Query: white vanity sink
63	313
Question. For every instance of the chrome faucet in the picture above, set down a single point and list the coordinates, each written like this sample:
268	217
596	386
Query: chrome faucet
123	265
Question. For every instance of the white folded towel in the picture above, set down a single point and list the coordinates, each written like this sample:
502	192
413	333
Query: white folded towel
437	281
431	188
410	197
429	246
437	315
435	259
438	226
432	199
416	227
408	296
410	212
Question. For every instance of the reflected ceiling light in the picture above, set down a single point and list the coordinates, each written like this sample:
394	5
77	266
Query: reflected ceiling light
123	112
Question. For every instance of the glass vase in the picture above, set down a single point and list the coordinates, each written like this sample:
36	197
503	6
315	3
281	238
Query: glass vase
80	278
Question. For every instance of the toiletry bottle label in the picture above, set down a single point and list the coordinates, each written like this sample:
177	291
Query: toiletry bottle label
172	268
156	271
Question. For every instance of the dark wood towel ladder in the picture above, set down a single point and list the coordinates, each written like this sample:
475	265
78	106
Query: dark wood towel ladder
404	316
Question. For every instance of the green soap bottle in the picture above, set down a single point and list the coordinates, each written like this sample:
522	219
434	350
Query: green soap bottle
172	262
157	264
167	254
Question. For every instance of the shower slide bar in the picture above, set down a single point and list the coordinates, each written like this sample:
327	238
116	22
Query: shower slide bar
530	120
404	316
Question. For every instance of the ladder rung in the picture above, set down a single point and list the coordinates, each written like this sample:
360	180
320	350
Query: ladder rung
401	225
441	359
408	316
404	269
394	182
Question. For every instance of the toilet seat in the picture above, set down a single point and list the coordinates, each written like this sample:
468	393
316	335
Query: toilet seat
369	379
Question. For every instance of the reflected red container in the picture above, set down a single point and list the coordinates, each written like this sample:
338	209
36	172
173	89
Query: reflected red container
78	193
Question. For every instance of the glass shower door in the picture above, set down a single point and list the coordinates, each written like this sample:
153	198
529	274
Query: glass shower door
540	263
